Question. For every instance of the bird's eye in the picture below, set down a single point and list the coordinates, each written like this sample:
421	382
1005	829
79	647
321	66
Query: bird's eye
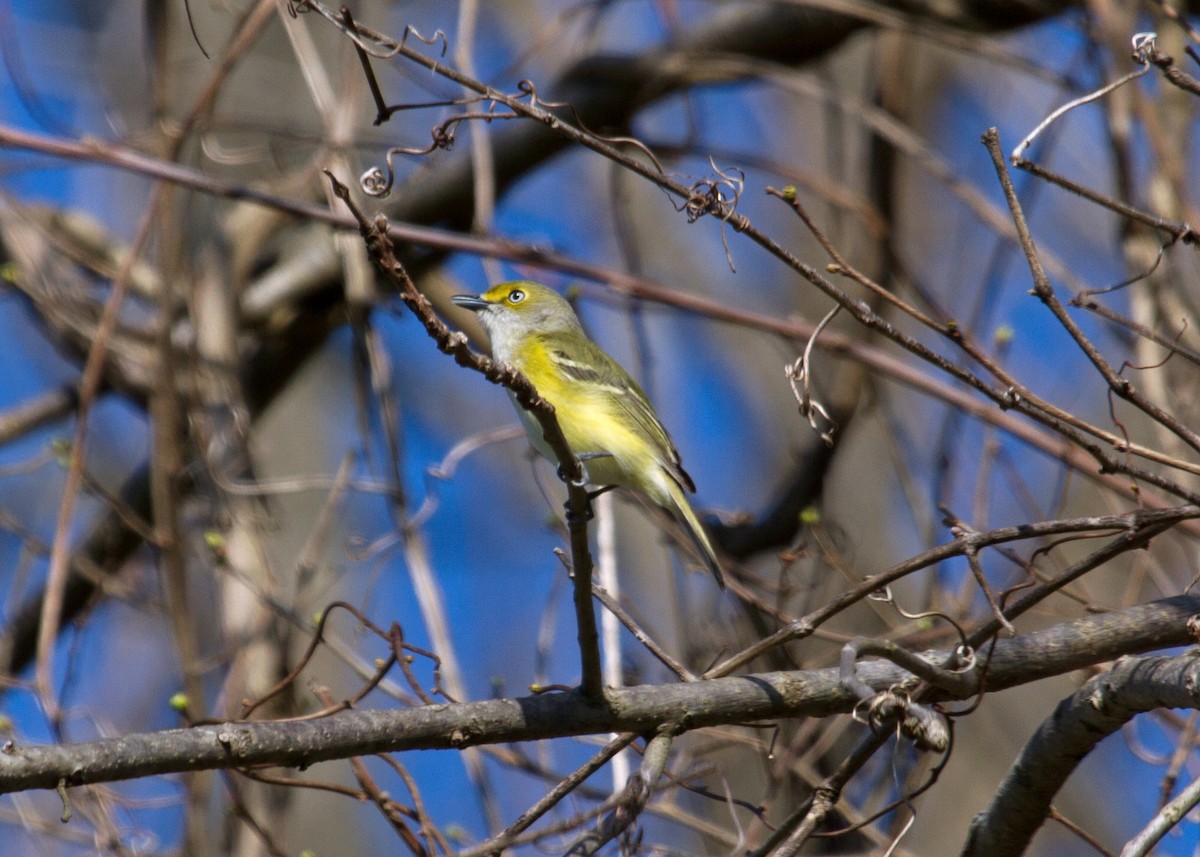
516	296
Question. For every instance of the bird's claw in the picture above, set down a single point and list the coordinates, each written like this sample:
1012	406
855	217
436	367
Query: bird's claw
575	519
583	459
587	514
578	483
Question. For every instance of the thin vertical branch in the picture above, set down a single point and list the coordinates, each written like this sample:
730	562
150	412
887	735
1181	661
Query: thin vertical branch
89	387
610	628
380	248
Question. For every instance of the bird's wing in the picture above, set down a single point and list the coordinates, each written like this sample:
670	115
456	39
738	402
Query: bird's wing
585	362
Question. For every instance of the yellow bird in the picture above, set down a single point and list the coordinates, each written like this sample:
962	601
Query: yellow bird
605	417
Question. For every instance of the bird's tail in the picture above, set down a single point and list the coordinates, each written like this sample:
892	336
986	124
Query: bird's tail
683	511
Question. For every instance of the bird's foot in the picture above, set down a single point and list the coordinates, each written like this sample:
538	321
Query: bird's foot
588	512
574	519
583	459
562	475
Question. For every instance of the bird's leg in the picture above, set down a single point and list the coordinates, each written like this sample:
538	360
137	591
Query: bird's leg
591	495
588	514
583	458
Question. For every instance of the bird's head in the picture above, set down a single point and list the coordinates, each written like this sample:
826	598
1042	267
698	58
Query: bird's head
511	310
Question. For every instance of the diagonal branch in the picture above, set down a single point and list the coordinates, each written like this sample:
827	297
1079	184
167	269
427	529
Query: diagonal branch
1098	709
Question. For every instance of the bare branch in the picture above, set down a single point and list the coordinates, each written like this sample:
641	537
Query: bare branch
689	705
1099	708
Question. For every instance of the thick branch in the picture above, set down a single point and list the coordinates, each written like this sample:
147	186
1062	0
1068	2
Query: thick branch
1095	711
647	708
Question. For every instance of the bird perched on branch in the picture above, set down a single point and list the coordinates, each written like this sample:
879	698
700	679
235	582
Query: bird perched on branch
605	417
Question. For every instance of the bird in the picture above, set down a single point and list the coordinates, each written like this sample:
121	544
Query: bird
605	417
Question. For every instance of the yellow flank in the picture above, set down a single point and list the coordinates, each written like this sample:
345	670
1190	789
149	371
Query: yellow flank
591	425
605	417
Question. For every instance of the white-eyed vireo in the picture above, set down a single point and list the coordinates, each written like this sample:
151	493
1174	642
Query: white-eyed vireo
605	417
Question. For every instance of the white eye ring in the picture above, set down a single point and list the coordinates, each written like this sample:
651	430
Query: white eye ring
516	296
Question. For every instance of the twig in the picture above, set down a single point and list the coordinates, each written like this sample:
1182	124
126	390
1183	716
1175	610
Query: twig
1178	231
258	304
614	607
1120	385
1140	43
33	413
797	829
381	799
568	784
699	199
1055	815
1142	523
632	800
957	677
1137	536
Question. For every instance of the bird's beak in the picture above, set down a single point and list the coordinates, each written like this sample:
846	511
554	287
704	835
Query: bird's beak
471	302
